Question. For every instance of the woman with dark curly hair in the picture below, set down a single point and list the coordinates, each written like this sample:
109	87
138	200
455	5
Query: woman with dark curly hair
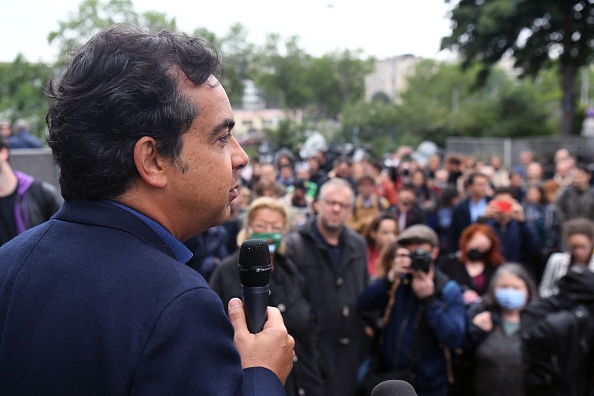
578	237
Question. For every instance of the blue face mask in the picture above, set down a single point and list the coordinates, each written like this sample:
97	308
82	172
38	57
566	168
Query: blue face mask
510	299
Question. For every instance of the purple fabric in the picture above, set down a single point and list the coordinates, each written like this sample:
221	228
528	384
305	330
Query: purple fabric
21	214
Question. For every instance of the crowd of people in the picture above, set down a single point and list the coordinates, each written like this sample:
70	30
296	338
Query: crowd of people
347	234
415	271
18	135
347	239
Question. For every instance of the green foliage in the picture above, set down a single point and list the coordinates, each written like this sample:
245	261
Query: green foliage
374	124
537	33
293	79
337	79
328	91
21	92
282	74
289	134
442	101
237	59
96	15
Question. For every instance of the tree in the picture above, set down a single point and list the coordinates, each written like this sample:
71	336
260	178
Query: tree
373	124
238	56
533	32
291	78
289	134
96	15
337	79
282	74
21	92
441	101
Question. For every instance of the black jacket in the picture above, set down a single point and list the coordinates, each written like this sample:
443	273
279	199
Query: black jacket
456	270
416	215
35	202
287	294
333	294
557	338
460	220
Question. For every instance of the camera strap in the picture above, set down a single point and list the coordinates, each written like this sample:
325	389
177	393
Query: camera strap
420	328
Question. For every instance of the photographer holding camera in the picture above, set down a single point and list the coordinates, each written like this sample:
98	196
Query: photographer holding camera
422	315
519	241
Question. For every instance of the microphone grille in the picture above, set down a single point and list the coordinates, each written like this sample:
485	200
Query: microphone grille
393	387
254	263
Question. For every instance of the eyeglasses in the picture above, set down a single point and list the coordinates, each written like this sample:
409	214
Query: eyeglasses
261	228
334	203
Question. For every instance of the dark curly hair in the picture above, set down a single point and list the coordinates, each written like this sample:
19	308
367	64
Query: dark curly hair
120	86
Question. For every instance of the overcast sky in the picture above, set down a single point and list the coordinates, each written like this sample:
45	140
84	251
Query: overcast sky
382	28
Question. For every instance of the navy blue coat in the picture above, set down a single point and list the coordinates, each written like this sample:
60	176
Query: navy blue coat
444	315
94	302
460	220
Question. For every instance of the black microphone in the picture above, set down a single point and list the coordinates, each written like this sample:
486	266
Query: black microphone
254	274
393	388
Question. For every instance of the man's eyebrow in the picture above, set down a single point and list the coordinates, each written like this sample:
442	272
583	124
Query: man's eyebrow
227	124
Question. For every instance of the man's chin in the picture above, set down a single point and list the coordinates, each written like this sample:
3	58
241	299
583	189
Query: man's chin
223	217
333	226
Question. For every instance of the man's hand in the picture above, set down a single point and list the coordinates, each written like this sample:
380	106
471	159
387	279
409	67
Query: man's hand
492	211
400	264
422	283
470	296
517	211
483	321
272	348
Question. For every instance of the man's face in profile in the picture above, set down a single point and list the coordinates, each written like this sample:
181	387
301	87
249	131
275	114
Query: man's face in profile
204	180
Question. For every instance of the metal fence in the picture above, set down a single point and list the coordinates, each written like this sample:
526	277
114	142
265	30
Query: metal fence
509	150
37	163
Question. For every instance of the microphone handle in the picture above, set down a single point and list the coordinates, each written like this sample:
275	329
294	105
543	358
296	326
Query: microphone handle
255	305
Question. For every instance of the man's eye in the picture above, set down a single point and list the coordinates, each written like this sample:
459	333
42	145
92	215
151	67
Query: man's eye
225	138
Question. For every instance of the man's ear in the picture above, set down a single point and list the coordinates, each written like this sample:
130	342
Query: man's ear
4	154
316	205
435	253
150	165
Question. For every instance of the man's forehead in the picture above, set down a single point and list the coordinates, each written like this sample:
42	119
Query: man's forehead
416	245
503	197
338	190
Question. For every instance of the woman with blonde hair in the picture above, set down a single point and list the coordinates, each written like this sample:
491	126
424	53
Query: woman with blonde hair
268	219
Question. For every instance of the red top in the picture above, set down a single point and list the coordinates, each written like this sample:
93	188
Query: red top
480	282
372	259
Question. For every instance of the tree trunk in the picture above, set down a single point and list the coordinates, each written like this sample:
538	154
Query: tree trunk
568	75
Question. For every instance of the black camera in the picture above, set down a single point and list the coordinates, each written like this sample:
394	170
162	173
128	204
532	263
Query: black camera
421	260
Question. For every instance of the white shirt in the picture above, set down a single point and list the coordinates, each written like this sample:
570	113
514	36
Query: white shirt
556	268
